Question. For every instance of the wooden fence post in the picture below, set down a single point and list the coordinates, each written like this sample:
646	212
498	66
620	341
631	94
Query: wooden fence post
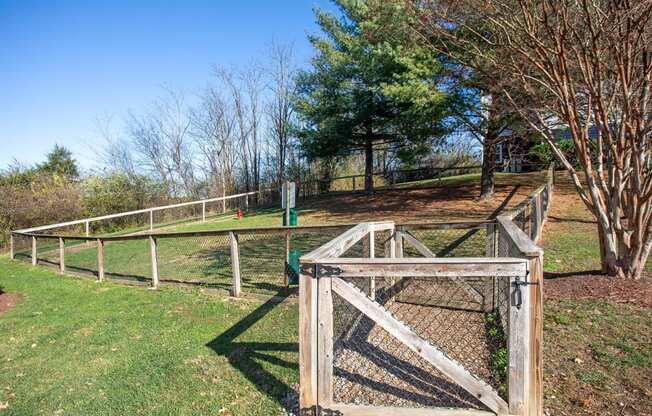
11	246
34	258
88	228
353	179
308	302
154	260
372	254
324	341
62	255
247	203
235	264
288	237
151	219
399	243
100	260
536	336
518	348
203	211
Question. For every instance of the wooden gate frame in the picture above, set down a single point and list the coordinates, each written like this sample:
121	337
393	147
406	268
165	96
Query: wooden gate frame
321	273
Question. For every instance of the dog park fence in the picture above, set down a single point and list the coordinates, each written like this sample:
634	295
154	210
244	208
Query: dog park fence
354	183
429	327
160	216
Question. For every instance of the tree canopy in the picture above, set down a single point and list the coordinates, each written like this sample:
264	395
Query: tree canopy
367	87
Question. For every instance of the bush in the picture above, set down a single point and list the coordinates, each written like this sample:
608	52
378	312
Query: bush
29	199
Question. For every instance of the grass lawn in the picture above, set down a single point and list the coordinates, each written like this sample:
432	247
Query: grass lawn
597	331
72	346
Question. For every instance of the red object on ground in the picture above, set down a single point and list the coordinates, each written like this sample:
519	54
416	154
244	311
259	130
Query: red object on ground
239	214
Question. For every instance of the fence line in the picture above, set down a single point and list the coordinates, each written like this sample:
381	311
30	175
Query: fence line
354	183
150	211
305	188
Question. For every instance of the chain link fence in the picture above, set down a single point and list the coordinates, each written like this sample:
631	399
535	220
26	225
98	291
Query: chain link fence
371	367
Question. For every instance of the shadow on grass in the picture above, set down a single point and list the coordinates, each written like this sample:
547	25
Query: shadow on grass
455	244
246	356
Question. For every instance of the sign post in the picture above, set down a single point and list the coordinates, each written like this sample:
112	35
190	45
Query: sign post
288	199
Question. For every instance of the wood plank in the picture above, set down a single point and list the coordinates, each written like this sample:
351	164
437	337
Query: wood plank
236	284
325	342
307	384
478	388
518	350
519	238
421	248
11	246
124	214
536	337
339	244
154	261
444	225
371	237
354	410
34	257
62	255
100	260
450	270
420	260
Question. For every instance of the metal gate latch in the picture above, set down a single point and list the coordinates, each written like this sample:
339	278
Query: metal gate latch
519	295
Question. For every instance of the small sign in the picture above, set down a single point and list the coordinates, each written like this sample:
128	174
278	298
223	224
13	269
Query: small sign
288	196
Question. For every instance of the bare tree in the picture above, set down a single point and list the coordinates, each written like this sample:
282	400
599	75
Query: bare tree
213	127
582	66
116	152
160	139
279	108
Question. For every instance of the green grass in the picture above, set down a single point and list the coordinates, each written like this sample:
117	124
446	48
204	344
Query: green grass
429	183
75	347
597	354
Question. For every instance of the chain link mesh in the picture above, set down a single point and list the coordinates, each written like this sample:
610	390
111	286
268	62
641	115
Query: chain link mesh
448	242
373	368
128	260
47	251
81	256
203	260
22	247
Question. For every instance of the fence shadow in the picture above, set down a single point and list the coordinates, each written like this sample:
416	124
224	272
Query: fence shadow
455	244
246	356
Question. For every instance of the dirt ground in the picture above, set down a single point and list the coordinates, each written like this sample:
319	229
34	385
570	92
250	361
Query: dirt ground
601	287
8	301
450	201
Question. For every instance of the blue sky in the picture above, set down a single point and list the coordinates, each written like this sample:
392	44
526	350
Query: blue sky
63	64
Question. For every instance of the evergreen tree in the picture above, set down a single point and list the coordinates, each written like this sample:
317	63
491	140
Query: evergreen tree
368	87
59	161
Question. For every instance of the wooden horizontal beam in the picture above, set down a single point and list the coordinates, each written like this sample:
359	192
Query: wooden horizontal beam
422	269
337	246
207	233
521	240
128	213
445	225
354	410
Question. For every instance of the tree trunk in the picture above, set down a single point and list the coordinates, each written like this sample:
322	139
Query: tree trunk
369	163
487	179
620	255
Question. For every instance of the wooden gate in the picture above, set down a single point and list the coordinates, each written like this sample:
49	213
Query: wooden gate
412	336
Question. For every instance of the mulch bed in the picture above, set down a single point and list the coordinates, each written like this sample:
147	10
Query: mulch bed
8	301
635	292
